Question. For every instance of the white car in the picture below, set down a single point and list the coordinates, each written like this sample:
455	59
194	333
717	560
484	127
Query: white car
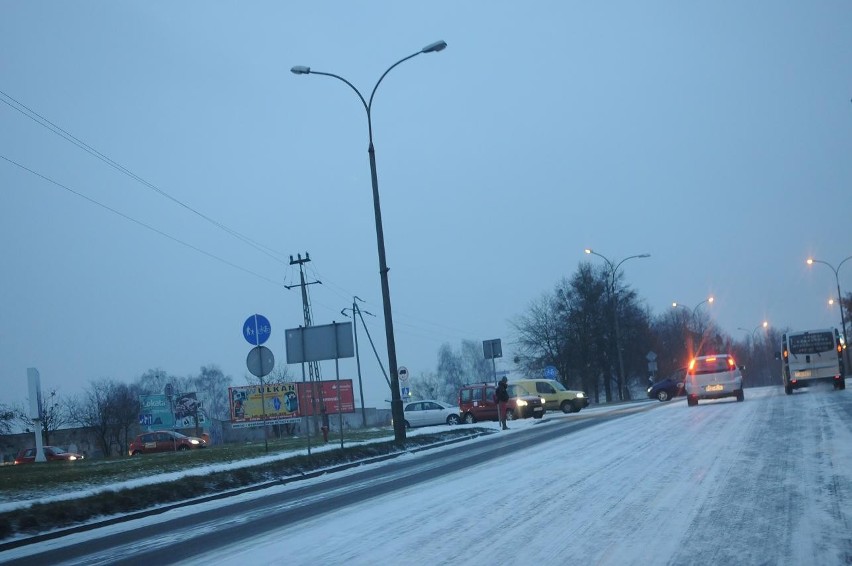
430	413
713	377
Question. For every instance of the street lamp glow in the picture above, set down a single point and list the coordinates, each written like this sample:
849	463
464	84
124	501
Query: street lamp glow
397	413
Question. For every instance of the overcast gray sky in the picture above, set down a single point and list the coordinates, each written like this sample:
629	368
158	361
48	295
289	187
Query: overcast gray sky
715	136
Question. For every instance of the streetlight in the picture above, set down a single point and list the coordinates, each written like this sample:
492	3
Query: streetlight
764	324
812	261
614	296
396	400
694	309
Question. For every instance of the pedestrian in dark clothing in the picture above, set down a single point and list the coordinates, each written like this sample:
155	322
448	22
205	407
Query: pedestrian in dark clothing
325	426
502	400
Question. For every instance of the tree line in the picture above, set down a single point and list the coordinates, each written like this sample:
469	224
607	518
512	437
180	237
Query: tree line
572	328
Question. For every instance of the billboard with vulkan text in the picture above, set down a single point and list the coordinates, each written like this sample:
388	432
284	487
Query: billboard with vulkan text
281	403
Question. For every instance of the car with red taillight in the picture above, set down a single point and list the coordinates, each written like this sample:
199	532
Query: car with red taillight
713	377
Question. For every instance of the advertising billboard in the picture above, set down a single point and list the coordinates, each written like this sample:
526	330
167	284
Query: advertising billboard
155	411
280	403
274	403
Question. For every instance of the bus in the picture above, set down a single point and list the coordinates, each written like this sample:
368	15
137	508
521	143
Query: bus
811	356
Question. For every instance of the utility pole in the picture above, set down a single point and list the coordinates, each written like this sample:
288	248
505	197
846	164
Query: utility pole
313	367
356	310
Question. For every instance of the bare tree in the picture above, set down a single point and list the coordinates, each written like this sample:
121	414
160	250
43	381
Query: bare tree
7	418
92	411
431	386
124	413
211	386
54	414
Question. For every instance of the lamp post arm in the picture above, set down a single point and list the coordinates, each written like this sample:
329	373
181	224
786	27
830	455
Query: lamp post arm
338	77
370	104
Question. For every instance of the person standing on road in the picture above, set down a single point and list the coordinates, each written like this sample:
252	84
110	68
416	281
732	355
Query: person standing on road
502	399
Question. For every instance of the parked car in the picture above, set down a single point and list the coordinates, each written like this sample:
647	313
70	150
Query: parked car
164	441
478	402
429	413
669	387
555	395
713	377
51	454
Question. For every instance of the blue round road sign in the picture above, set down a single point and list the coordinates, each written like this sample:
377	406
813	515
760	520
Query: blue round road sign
550	372
257	329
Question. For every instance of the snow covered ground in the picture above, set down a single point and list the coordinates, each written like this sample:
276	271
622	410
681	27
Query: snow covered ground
767	481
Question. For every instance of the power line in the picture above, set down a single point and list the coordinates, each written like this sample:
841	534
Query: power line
44	122
138	222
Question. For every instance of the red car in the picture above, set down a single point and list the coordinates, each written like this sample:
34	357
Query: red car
164	441
51	454
478	403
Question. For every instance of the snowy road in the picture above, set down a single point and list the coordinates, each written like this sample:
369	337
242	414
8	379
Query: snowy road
767	481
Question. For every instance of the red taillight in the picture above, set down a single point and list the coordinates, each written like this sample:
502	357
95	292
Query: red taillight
731	362
785	354
708	360
692	364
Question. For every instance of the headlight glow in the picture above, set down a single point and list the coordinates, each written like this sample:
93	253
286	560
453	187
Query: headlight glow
649	389
194	441
580	395
521	403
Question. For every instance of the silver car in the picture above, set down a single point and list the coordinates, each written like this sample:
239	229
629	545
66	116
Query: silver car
713	377
429	413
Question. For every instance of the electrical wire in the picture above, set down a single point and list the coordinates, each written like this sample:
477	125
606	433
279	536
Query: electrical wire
44	122
138	222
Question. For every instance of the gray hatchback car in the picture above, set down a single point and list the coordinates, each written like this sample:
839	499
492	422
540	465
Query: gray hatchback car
713	377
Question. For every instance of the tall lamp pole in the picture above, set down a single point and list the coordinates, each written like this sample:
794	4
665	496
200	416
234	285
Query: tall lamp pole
613	270
812	261
396	400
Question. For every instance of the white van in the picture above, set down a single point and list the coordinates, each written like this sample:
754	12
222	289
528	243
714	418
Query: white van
713	377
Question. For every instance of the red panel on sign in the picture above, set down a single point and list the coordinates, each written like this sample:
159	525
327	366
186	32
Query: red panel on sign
325	392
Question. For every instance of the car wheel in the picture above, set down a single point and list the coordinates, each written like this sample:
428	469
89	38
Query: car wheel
136	453
453	420
691	401
740	396
407	425
566	407
841	384
468	418
788	389
663	395
510	415
183	447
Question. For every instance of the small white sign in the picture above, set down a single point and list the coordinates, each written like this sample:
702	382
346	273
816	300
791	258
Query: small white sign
403	373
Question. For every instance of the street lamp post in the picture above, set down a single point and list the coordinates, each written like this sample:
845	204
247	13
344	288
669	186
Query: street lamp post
812	261
692	312
396	400
613	269
763	324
